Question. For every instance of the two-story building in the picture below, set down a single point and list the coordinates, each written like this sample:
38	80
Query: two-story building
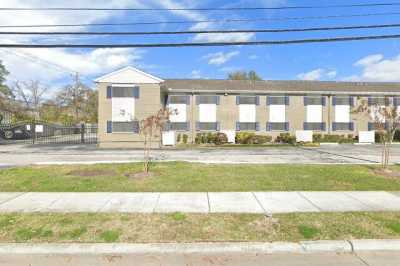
129	95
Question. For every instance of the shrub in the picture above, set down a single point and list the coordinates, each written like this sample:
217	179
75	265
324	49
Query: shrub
220	138
396	136
260	139
243	137
286	138
318	138
178	138
197	139
185	138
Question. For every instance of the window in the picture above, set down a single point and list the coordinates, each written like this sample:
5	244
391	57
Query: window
178	112
314	113
207	113
277	113
123	109
247	113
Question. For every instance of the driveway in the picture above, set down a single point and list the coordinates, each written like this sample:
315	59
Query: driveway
62	154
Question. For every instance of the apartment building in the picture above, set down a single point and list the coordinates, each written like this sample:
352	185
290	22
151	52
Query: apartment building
129	95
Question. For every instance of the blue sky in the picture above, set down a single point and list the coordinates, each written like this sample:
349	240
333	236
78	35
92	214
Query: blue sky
357	61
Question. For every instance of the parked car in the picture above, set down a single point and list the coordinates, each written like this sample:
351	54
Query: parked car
15	133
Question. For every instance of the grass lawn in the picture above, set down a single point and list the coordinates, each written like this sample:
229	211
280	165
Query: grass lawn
191	177
180	227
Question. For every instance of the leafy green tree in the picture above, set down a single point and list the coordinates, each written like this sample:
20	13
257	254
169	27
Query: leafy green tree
4	89
243	75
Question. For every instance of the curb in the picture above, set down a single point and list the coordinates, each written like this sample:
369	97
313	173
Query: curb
327	246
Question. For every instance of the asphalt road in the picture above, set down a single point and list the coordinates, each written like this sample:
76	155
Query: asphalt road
339	154
235	259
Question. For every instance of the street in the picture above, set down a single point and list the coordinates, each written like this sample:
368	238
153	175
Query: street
89	153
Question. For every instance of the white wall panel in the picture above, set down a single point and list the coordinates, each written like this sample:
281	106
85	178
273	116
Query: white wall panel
208	113
247	113
342	113
314	113
180	116
277	113
123	109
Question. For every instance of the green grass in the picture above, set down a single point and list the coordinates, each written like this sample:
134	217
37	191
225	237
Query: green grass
192	177
147	228
308	232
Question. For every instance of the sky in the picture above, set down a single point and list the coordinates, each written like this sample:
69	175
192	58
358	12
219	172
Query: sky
375	60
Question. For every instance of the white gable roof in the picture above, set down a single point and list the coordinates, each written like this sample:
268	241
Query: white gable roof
128	75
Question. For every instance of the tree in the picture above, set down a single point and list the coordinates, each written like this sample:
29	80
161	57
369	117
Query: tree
243	75
386	120
79	101
150	127
4	89
31	95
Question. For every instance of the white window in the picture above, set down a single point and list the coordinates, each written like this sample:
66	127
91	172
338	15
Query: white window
277	113
208	113
179	112
123	109
314	113
247	113
342	113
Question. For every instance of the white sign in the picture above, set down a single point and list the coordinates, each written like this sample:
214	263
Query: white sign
230	134
168	138
304	135
39	129
366	136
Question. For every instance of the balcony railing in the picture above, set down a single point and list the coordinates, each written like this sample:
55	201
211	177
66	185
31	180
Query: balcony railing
207	126
337	126
314	126
274	126
246	126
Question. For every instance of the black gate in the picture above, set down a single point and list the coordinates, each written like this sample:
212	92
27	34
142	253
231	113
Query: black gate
38	132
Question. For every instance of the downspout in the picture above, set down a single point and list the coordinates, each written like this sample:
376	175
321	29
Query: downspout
329	114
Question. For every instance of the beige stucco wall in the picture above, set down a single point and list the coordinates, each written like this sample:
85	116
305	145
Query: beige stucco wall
148	103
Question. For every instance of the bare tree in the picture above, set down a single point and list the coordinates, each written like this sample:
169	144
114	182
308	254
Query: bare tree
78	100
31	95
386	120
152	127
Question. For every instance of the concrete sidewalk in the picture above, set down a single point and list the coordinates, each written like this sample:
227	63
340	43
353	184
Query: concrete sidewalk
201	202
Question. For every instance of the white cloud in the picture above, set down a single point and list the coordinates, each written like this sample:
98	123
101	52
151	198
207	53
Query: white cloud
41	64
376	68
220	58
253	57
317	74
195	74
227	37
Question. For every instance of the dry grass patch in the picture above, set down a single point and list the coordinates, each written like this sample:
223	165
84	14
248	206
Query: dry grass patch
183	227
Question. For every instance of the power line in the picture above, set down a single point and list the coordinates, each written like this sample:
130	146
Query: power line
201	21
193	44
195	9
202	31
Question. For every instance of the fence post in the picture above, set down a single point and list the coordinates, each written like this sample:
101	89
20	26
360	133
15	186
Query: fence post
82	132
33	131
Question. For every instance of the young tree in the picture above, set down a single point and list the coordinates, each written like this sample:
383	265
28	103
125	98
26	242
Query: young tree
152	127
386	120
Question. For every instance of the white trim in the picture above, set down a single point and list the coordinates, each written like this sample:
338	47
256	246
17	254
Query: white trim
102	78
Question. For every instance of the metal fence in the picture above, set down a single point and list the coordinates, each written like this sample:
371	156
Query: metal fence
38	132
